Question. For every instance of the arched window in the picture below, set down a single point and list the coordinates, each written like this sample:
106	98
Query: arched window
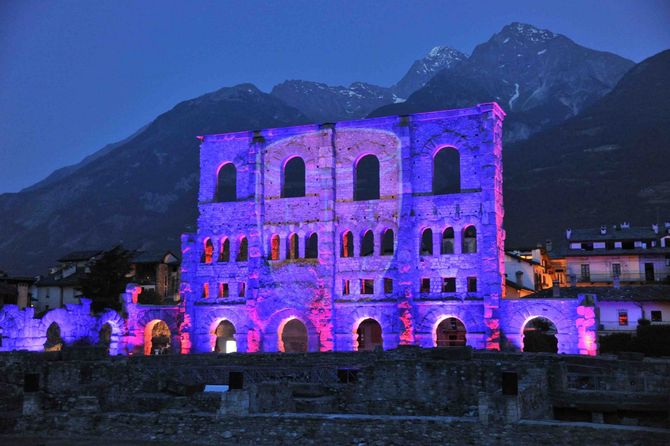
274	247
387	242
367	244
226	184
469	240
539	335
243	251
54	341
447	246
293	337
157	338
426	242
225	338
224	253
450	333
208	252
447	171
347	248
366	180
292	247
293	178
312	246
369	335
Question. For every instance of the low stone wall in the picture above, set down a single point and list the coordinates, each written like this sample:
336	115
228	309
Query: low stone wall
316	429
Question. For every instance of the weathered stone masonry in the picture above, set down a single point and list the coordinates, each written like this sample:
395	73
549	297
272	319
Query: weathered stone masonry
308	262
311	290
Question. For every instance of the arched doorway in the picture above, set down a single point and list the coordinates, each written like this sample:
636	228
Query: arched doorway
54	341
293	337
157	338
369	336
539	335
450	333
105	336
224	341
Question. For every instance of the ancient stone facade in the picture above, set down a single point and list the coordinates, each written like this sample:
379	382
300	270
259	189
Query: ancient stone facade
357	235
342	285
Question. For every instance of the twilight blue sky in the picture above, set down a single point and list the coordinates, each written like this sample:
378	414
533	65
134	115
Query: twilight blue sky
76	75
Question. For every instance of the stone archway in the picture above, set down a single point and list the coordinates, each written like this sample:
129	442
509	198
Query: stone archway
540	335
157	338
369	335
225	337
54	340
293	336
450	332
105	336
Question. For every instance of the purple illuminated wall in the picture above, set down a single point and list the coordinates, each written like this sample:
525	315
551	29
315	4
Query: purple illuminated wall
311	290
260	295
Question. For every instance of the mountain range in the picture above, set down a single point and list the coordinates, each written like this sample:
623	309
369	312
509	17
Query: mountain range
579	122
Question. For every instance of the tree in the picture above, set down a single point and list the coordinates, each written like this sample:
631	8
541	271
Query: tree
108	279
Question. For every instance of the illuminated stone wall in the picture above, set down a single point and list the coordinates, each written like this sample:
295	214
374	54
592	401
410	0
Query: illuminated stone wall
311	289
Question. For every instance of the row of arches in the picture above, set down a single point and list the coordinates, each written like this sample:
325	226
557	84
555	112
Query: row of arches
293	246
367	245
242	254
539	335
446	177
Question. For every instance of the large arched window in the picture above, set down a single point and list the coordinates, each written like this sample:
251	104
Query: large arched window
312	246
224	253
347	245
367	244
469	240
447	246
447	171
224	341
366	179
226	184
539	335
293	337
369	336
54	340
208	252
450	333
426	242
243	251
274	247
293	178
387	243
292	247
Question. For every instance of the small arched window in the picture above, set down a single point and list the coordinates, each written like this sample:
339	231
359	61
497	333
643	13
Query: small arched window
274	247
366	179
469	240
226	184
426	242
205	290
447	241
208	252
387	243
224	253
293	178
292	247
447	171
347	248
243	251
312	246
367	244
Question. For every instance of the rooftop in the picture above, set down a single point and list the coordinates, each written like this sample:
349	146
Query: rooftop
75	256
642	293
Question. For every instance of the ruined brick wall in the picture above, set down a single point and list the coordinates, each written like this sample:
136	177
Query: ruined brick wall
310	290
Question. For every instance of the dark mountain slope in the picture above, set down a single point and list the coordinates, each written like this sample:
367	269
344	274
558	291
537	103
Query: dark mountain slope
540	78
142	193
607	165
